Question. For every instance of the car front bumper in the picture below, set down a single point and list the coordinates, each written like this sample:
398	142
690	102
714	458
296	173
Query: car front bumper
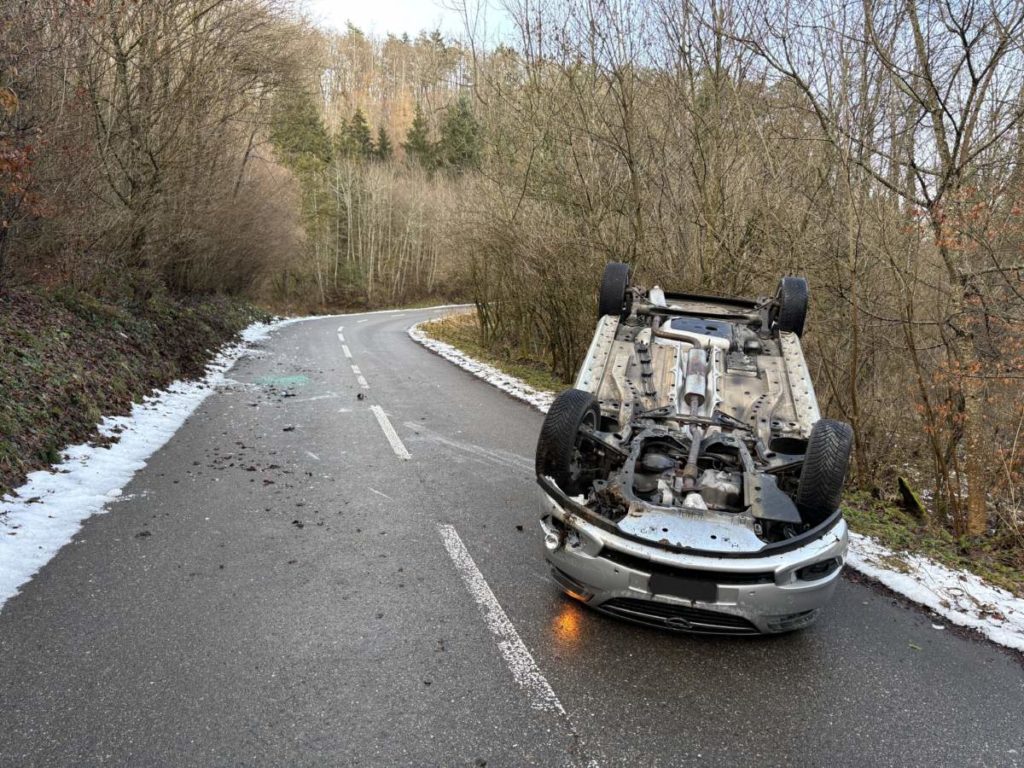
751	595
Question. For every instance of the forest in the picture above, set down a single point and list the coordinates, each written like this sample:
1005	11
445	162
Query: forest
183	148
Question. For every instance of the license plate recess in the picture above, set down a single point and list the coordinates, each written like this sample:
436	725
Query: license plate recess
681	586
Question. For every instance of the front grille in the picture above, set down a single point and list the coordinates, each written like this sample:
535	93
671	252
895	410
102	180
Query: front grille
681	618
717	577
792	621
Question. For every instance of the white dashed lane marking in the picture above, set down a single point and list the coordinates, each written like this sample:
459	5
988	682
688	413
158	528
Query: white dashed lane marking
517	656
348	355
389	432
359	377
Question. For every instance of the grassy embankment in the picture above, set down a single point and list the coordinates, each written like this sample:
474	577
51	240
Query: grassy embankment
993	560
462	331
67	359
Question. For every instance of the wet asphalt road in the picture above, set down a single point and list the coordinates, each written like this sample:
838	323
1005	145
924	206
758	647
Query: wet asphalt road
273	590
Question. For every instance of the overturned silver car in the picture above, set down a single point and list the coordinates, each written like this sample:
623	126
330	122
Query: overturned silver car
688	480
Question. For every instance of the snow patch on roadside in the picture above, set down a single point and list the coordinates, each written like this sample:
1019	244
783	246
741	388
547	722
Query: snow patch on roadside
519	389
958	596
43	515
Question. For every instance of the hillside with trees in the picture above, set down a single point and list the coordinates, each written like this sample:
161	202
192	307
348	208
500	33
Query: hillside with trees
175	148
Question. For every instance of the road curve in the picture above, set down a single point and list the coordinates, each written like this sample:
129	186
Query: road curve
336	561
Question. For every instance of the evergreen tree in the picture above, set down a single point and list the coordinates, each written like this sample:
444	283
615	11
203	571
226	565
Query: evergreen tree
343	146
302	143
417	144
460	145
436	40
359	136
383	151
298	133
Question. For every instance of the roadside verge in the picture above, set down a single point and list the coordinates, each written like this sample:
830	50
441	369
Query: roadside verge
43	514
958	596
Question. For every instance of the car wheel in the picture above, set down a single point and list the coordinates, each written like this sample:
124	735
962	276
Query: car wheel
791	305
824	471
559	454
615	298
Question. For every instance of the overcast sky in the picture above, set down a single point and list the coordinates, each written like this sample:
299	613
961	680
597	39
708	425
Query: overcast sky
380	17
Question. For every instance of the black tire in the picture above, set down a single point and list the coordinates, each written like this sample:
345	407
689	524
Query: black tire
615	298
791	305
558	449
824	471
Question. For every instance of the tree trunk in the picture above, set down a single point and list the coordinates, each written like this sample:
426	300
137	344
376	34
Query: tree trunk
974	445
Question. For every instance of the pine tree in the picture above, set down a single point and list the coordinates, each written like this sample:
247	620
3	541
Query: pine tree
298	133
343	146
460	146
417	144
302	144
383	150
360	136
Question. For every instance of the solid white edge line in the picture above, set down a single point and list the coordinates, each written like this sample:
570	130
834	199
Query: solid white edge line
517	656
517	388
389	432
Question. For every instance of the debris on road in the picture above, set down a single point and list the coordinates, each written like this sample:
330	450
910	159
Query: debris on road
81	484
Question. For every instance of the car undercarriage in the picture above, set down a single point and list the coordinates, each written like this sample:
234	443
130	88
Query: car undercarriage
693	429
